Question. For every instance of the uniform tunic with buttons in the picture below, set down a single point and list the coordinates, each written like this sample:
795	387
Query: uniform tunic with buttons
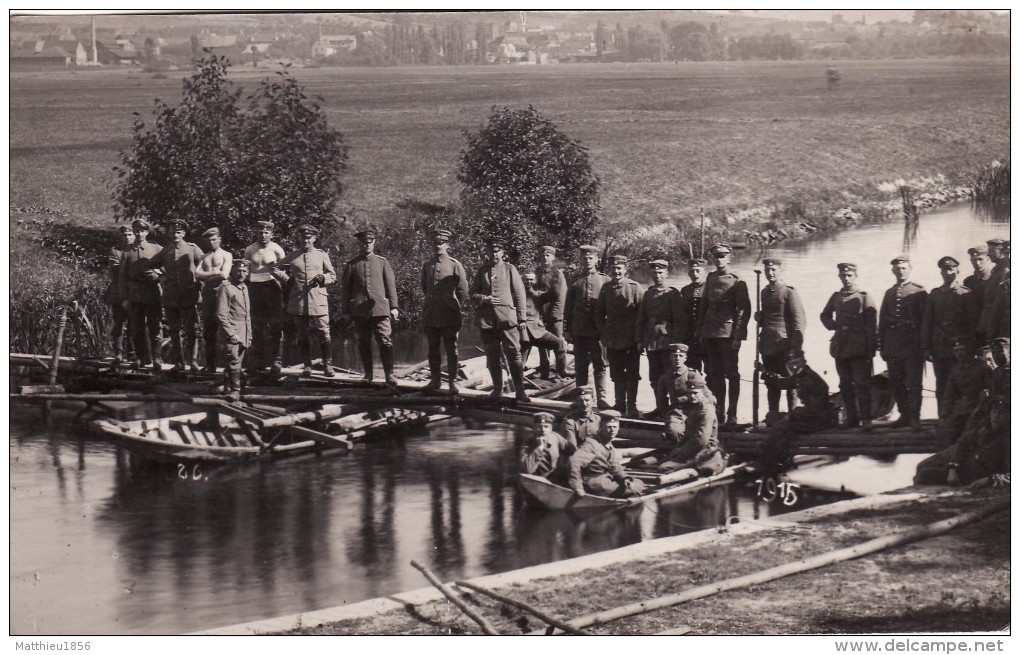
445	285
304	266
660	318
546	456
948	313
579	313
976	284
698	445
594	459
616	312
671	389
854	317
782	320
726	307
135	261
579	425
692	296
232	313
503	281
552	294
179	262
367	287
900	320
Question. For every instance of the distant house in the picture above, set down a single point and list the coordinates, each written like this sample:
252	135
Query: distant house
72	47
260	43
28	57
213	41
117	53
327	46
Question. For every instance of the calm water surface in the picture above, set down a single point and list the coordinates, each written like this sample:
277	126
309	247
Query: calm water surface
103	544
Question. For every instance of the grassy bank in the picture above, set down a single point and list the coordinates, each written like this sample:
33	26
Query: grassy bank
763	147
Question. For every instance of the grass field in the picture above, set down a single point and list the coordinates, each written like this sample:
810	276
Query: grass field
665	139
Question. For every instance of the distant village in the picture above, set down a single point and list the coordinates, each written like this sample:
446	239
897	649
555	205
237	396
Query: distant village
527	38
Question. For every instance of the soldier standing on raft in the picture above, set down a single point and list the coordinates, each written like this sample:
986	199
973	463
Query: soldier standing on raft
310	271
212	271
265	287
948	314
579	325
234	318
498	293
722	321
899	323
445	286
976	283
538	335
616	312
179	296
368	295
118	313
139	290
1000	270
659	324
692	297
782	324
551	287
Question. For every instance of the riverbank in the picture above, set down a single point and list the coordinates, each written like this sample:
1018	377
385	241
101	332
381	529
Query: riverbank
958	581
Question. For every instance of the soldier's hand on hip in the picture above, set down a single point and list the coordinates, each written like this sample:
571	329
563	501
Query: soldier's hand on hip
395	313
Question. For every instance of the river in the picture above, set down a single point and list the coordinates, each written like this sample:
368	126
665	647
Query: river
101	544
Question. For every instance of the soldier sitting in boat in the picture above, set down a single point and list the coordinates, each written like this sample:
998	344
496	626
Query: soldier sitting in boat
815	414
538	335
962	393
694	426
980	453
596	467
671	387
546	453
582	422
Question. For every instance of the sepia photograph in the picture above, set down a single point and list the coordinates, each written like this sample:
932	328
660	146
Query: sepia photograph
675	322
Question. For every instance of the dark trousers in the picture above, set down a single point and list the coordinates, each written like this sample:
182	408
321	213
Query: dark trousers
210	328
145	330
855	387
437	337
942	366
556	328
498	341
905	374
721	367
776	363
235	360
545	343
121	325
658	365
266	322
307	328
624	372
588	351
182	323
377	327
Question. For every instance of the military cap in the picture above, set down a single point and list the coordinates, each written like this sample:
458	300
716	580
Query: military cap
543	417
124	228
587	248
618	259
948	262
549	249
659	263
140	224
695	380
977	250
721	249
679	347
610	415
367	234
240	262
697	262
308	229
996	242
496	242
211	232
771	261
585	391
983	350
795	354
268	225
960	341
178	224
441	236
900	259
847	267
1002	342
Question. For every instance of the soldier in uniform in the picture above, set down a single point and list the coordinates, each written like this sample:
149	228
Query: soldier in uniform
139	290
692	297
1000	268
310	272
368	294
180	292
579	324
853	315
498	293
961	394
234	319
671	387
212	271
722	321
445	285
596	467
265	288
996	309
976	283
582	422
782	324
539	336
551	287
616	313
948	314
659	323
112	296
546	453
899	322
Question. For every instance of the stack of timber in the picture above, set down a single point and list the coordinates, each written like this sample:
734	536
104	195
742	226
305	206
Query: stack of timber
842	442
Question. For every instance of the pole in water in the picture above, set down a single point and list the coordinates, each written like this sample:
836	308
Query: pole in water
756	378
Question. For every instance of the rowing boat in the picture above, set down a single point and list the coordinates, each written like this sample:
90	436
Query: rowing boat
220	435
540	492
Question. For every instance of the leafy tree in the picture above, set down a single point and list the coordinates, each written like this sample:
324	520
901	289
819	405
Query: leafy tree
217	160
528	183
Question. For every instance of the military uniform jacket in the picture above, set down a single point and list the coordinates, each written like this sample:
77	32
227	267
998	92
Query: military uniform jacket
134	262
546	455
112	294
700	440
578	426
594	459
976	285
948	313
782	320
812	390
899	321
854	317
963	389
304	300
367	287
991	288
671	388
579	312
552	293
179	263
660	318
725	310
445	285
616	312
504	282
533	321
692	296
232	312
996	310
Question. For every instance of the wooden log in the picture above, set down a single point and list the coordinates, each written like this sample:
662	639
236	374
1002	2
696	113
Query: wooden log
327	412
808	564
551	620
487	627
343	440
55	362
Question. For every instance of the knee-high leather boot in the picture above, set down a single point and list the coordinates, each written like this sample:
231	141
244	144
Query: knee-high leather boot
517	375
496	372
601	391
386	355
326	350
632	389
620	396
365	352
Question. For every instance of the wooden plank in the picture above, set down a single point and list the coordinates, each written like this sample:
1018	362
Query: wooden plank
241	414
327	412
